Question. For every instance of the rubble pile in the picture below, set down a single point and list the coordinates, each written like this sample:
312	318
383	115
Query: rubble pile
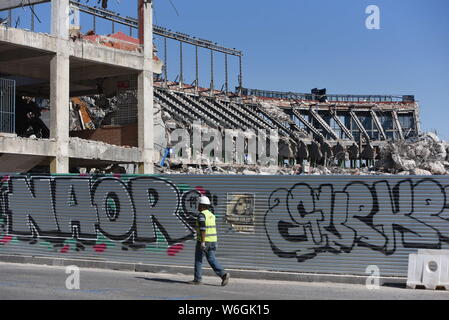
275	112
424	155
90	113
262	170
225	169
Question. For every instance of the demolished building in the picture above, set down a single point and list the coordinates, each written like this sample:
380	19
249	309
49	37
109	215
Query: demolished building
57	66
188	125
346	130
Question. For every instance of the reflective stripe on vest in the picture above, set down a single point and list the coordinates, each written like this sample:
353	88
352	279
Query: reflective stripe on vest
211	230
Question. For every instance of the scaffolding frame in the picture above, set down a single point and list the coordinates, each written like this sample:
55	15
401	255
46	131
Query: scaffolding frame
7	105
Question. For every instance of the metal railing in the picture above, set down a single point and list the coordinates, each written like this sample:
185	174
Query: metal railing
329	97
7	105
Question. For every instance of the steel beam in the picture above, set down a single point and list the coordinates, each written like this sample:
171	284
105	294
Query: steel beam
11	4
323	123
359	125
378	124
398	124
134	23
341	124
307	123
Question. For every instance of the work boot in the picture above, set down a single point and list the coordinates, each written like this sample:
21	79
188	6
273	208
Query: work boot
195	282
225	279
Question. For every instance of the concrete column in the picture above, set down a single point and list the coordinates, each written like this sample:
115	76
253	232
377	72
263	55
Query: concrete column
60	22
60	87
59	111
145	94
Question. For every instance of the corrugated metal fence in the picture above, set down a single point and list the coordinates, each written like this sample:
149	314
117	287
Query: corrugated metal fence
7	105
324	224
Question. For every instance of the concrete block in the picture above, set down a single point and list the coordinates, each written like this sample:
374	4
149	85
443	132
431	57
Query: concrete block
414	273
429	271
433	251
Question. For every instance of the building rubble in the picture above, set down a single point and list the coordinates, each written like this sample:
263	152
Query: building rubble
423	155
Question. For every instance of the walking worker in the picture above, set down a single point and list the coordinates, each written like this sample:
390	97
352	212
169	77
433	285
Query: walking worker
206	244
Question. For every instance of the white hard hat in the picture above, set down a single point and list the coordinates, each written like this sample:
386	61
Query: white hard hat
204	200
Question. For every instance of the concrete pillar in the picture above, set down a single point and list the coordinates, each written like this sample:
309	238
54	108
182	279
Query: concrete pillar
60	22
59	111
145	94
60	87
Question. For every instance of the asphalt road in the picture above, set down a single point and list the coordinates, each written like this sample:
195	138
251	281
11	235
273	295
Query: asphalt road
26	281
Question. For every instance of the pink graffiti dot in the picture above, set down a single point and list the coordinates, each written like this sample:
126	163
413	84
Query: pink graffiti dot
5	178
6	239
200	190
100	247
174	249
65	248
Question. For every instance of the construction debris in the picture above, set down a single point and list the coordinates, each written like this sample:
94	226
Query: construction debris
430	157
90	113
426	154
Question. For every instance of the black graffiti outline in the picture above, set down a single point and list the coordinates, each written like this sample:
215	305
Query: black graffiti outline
359	240
157	224
58	237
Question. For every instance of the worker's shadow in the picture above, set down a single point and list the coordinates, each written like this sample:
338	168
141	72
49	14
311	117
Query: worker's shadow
174	281
397	285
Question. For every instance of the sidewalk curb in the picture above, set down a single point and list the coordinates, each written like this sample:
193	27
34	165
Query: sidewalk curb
235	273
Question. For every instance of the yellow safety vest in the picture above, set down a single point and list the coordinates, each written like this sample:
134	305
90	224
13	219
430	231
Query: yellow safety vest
211	229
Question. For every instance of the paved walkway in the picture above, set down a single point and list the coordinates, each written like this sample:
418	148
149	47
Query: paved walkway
26	281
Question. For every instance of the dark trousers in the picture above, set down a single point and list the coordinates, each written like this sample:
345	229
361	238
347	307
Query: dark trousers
211	248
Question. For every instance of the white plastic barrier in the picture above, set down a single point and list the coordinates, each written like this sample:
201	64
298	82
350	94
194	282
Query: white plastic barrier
428	269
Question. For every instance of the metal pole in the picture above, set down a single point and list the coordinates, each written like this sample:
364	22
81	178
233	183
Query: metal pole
211	71
226	73
10	18
181	78
196	69
94	23
165	61
240	76
113	27
32	19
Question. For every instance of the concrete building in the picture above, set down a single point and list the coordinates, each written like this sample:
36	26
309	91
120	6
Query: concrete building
56	67
110	103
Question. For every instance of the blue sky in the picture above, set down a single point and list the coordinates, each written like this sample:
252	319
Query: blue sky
296	45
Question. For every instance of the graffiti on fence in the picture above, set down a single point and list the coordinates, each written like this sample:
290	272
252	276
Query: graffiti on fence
66	213
304	221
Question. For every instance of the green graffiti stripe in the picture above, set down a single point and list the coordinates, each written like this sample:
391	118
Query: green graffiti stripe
160	245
